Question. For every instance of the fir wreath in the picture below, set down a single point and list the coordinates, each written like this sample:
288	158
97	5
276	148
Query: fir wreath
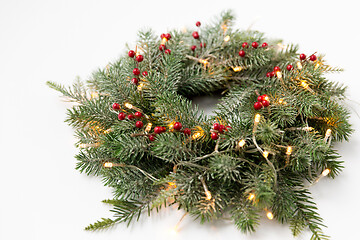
139	131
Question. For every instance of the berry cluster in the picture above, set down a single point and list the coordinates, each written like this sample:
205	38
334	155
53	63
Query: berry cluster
122	115
254	45
196	36
262	101
136	71
218	129
165	37
303	57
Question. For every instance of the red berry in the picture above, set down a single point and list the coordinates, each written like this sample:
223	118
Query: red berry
116	106
222	128
227	127
242	53
195	35
162	47
203	45
130	117
289	67
313	58
163	129
265	97
268	74
139	58
145	73
187	131
272	74
264	45
121	116
152	138
139	124
158	130
216	126
131	53
198	24
168	51
302	56
265	103
260	98
168	36
214	135
136	71
193	47
255	44
135	81
245	45
277	69
138	114
177	126
162	35
257	105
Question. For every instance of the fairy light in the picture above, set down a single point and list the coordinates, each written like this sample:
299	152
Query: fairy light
257	118
141	85
299	65
304	84
289	150
325	172
269	215
251	196
317	65
265	154
107	131
208	195
308	128
224	27
241	143
227	38
279	74
148	127
128	105
94	95
207	192
108	164
171	125
203	61
196	135
237	69
164	40
172	184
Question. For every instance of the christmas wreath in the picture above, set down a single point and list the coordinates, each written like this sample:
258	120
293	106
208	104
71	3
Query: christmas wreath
270	138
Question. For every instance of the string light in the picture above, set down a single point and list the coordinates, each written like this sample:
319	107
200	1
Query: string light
257	118
269	215
265	154
308	128
242	143
196	135
299	65
289	150
208	195
279	74
148	127
171	125
237	69
128	105
318	63
203	61
251	196
108	164
164	40
227	38
172	185
304	84
224	27
207	192
325	172
141	85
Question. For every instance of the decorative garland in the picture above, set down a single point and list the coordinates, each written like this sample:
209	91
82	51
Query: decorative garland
273	129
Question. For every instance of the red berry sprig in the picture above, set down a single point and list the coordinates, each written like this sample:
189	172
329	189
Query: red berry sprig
218	129
262	101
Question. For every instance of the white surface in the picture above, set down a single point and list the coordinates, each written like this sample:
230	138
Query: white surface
44	197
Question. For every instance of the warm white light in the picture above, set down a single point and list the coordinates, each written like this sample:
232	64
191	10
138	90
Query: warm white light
269	215
242	143
278	74
288	150
299	65
257	118
208	195
108	164
325	172
251	196
140	86
307	128
227	38
196	135
128	105
148	127
164	40
237	69
304	84
265	154
328	133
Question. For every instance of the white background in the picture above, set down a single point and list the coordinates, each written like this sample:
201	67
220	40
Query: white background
44	197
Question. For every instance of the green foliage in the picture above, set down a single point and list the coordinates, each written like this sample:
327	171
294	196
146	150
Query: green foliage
177	168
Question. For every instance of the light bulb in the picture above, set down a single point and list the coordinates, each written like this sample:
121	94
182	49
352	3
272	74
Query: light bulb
265	154
227	38
148	127
108	164
288	150
128	105
257	118
325	172
237	69
242	143
278	74
299	65
328	133
208	195
251	196
269	215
